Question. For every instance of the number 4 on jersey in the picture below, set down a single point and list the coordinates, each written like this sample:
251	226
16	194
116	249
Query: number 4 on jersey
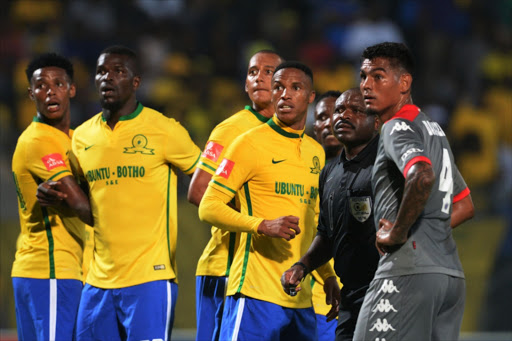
446	182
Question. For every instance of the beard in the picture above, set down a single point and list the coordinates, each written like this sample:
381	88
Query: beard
111	106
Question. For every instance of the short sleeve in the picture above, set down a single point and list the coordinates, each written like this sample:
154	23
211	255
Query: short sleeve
236	168
48	159
403	143
460	189
215	149
181	151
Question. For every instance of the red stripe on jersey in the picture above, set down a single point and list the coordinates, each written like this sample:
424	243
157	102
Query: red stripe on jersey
461	195
52	161
225	168
212	151
408	111
415	160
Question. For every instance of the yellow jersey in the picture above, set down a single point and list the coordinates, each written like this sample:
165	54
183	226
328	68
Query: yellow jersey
275	172
218	254
52	238
131	172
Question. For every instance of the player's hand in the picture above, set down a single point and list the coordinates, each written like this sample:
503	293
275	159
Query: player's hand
388	240
332	297
291	279
283	227
48	195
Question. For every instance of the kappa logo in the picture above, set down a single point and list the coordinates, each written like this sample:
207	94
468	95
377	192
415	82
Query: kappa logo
212	151
52	161
382	326
139	143
411	151
225	168
388	287
400	126
384	307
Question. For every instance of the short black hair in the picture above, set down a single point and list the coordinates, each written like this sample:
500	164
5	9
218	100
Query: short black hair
295	65
397	53
330	93
124	51
49	59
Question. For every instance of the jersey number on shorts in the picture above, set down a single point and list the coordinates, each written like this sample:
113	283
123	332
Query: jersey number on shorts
446	182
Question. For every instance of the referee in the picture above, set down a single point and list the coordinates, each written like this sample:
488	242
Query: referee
346	229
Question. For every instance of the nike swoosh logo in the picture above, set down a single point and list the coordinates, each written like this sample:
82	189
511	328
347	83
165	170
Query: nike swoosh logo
274	161
89	147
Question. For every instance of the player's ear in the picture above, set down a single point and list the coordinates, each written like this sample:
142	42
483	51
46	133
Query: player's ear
405	83
377	122
312	96
136	82
30	93
72	90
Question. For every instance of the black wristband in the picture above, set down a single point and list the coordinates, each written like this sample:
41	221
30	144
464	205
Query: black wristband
304	267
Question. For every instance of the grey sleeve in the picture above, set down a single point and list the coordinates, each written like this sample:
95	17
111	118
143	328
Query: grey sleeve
459	185
403	143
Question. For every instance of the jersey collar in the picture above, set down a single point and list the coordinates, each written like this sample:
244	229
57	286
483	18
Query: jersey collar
257	114
408	111
283	129
130	116
371	147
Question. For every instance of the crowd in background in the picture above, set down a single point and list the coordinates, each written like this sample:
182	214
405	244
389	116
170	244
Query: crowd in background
195	53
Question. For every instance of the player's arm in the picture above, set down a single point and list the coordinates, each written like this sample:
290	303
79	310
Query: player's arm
418	184
462	211
66	190
198	186
214	210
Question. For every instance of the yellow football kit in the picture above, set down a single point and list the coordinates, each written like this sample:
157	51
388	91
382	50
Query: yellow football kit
218	253
275	171
317	285
52	239
131	171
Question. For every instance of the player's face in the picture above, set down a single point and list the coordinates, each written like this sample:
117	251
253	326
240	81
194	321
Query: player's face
322	127
259	77
115	80
351	125
380	85
51	89
291	94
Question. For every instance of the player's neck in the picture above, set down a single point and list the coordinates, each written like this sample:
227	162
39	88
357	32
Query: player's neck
388	114
61	123
267	111
113	116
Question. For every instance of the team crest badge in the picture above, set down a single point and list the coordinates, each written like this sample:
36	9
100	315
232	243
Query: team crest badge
316	165
139	143
361	208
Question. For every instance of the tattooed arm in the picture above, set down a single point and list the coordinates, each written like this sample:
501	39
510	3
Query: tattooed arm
418	185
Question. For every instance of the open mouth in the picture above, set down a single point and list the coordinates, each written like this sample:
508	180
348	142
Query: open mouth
53	106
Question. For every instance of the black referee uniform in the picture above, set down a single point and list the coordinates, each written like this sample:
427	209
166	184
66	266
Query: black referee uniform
346	219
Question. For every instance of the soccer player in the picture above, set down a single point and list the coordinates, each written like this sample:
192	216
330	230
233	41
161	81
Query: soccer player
346	230
323	134
47	270
419	289
274	170
322	127
215	263
129	155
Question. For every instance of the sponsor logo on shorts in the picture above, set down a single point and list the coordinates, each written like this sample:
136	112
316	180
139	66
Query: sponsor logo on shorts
52	161
225	168
212	151
388	287
400	126
382	326
411	151
159	267
384	307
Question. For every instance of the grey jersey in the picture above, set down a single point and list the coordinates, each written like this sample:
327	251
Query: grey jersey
411	136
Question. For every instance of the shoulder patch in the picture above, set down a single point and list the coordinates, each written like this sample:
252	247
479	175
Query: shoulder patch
52	161
212	151
225	168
